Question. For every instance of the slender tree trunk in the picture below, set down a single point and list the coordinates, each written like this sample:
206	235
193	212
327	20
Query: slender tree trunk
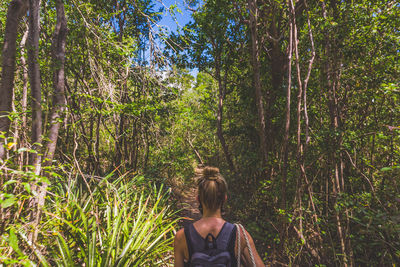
305	84
285	145
255	58
24	101
332	72
298	115
58	108
97	144
287	117
14	14
221	98
278	66
34	77
301	96
121	153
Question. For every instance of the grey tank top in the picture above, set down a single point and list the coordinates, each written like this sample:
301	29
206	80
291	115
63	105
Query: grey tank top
223	245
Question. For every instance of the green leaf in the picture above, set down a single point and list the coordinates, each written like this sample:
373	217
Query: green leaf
14	242
9	182
22	149
65	251
27	187
8	202
44	180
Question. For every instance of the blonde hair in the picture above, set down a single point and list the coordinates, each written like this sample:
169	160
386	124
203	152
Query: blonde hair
212	187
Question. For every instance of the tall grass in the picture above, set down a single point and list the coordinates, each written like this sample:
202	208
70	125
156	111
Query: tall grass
107	222
120	223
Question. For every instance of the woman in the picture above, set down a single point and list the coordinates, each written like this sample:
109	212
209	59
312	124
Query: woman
211	241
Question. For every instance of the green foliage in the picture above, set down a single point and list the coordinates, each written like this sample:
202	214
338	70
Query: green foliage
356	45
191	127
121	222
125	115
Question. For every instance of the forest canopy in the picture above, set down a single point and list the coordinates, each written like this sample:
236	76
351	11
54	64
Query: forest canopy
105	114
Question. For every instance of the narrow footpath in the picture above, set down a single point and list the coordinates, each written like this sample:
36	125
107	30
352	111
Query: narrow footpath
187	203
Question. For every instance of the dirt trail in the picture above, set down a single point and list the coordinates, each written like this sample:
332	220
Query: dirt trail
187	202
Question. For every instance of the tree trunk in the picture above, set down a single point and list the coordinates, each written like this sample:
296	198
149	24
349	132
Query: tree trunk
287	118
221	98
302	87
278	66
15	11
332	72
285	144
121	153
58	108
305	84
59	78
34	77
255	58
299	152
24	102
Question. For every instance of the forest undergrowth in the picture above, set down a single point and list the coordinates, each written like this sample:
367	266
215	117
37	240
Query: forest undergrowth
117	220
105	113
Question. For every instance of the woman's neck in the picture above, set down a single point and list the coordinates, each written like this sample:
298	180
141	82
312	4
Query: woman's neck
212	214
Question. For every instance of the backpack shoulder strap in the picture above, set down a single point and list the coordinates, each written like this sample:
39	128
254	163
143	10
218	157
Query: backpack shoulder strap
186	230
232	243
224	237
194	241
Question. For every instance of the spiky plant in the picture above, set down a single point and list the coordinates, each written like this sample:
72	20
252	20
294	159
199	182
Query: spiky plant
124	222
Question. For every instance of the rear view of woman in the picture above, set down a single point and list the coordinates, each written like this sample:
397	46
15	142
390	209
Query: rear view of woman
211	241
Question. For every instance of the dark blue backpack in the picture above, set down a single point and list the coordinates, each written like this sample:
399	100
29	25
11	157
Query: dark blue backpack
211	251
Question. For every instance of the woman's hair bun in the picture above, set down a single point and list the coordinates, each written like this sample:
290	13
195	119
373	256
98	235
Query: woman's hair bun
210	173
212	187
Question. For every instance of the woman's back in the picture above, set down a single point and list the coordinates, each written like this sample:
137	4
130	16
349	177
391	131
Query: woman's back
207	225
211	241
214	245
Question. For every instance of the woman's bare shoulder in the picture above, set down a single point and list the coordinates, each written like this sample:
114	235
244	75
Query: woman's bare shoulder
180	235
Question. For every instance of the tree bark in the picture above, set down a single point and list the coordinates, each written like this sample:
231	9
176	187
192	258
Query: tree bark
305	84
255	59
24	102
14	14
302	87
299	153
332	72
58	108
59	102
278	65
221	98
287	117
34	77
